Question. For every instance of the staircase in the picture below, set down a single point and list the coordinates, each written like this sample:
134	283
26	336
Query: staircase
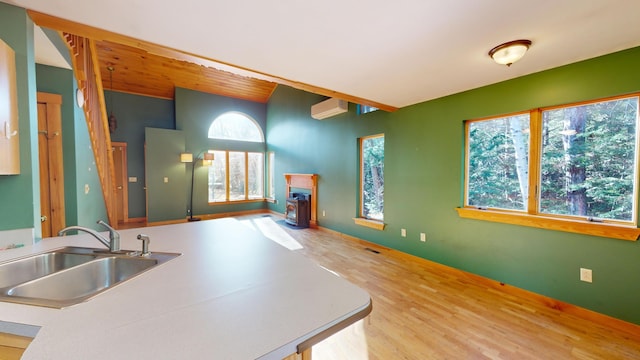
87	71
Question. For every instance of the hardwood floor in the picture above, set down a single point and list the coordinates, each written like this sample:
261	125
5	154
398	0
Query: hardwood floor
422	311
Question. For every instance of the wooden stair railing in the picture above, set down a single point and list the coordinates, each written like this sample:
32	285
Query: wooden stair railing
87	70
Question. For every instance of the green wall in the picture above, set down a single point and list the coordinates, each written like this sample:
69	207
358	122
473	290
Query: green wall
167	200
424	180
20	194
90	204
195	111
135	113
192	113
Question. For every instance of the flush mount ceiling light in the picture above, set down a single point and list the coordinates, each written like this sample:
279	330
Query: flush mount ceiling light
509	52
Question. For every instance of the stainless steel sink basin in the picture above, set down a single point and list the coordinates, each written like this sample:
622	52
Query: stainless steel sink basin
33	267
70	275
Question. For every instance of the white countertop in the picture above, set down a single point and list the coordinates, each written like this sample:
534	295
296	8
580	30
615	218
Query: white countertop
233	294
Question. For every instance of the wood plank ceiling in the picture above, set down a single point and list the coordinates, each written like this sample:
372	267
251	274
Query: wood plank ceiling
149	69
137	71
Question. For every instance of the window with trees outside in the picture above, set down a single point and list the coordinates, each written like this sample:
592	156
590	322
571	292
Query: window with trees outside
271	187
236	175
573	163
372	178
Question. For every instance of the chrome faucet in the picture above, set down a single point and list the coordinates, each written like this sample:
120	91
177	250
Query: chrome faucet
113	243
113	236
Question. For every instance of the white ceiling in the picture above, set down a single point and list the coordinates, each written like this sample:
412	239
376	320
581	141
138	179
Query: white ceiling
393	52
45	52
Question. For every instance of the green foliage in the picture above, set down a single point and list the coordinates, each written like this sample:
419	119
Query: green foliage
587	165
604	151
373	177
493	179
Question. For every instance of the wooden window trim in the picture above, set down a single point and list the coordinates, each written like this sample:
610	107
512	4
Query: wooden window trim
622	230
609	230
373	224
365	220
229	202
246	179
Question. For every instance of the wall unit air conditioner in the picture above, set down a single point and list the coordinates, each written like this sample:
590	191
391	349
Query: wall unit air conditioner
328	108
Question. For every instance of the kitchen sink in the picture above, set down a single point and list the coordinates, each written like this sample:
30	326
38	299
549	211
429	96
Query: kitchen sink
71	275
33	267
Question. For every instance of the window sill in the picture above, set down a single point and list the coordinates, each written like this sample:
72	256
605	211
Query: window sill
236	202
608	230
373	224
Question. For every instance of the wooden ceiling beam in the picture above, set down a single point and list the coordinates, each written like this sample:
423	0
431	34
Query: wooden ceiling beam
97	34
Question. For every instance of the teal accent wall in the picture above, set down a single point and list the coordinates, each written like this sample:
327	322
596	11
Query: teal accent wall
20	194
135	113
167	200
424	180
195	111
91	207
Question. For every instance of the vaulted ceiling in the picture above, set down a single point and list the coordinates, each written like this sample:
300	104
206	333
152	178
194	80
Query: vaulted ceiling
140	72
382	53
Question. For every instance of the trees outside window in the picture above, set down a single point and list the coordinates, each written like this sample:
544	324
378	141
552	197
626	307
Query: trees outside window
255	175
372	177
218	177
235	126
498	162
271	187
586	167
589	160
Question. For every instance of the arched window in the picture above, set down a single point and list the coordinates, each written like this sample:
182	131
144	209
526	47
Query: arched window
235	126
236	175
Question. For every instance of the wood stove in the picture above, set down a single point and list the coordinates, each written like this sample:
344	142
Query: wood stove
298	211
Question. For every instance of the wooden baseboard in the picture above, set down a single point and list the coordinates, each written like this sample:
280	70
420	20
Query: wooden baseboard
212	216
593	316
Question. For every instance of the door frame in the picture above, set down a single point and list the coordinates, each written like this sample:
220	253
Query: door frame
124	178
53	134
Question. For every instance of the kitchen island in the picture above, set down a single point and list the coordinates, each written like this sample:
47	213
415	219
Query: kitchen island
232	294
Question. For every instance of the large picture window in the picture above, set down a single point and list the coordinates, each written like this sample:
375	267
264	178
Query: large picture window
236	175
372	177
574	162
588	165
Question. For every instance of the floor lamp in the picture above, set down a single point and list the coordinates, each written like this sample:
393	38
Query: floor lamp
206	158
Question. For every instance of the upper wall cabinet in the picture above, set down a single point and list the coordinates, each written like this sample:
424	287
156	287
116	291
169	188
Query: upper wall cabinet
9	144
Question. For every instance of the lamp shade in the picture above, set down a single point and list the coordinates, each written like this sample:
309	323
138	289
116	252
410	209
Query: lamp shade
186	157
207	159
509	52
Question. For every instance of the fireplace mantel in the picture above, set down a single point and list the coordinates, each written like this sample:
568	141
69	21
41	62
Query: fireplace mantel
308	182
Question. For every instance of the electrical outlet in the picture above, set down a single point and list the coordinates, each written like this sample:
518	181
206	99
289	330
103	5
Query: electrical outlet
423	237
166	179
586	275
403	232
